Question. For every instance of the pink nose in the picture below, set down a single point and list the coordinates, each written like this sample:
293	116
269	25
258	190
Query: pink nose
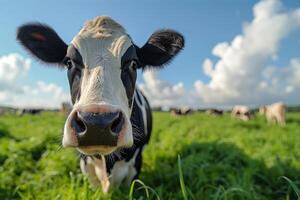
97	128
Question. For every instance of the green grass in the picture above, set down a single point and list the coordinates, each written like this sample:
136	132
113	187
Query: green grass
192	157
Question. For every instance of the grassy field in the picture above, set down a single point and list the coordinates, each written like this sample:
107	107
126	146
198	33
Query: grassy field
221	158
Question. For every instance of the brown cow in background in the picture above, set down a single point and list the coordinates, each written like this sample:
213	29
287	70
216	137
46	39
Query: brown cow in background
274	113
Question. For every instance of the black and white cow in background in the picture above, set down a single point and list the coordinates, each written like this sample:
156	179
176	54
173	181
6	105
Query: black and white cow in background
31	111
111	119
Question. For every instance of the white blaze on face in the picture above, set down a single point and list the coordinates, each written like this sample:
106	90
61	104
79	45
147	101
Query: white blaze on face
101	82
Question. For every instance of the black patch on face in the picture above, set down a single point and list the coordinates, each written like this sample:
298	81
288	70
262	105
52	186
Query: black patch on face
74	63
129	64
74	55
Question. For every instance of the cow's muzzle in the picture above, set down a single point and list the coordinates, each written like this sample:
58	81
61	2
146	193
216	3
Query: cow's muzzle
97	128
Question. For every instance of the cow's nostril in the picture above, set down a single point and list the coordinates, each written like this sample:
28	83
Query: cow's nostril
78	124
116	126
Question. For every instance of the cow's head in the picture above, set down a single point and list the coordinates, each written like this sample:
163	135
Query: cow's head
102	63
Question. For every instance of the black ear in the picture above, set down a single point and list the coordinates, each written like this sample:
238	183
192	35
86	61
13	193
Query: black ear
43	42
162	46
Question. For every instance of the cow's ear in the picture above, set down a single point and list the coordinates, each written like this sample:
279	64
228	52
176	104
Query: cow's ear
43	42
162	46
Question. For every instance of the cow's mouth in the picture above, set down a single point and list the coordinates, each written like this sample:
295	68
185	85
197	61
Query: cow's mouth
96	150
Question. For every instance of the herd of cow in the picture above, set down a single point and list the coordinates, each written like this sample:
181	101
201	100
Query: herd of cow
110	120
274	113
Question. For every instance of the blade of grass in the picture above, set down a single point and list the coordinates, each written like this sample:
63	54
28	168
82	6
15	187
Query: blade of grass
143	186
293	185
152	190
182	185
132	188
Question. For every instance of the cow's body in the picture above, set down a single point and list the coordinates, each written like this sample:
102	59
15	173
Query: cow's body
125	164
214	112
274	113
181	111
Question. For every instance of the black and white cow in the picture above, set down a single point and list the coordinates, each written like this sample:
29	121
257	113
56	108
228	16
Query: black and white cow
31	111
111	119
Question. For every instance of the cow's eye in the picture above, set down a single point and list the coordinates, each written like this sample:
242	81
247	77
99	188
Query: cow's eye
68	63
134	64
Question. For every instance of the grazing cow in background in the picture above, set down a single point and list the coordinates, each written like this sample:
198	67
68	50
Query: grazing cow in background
30	111
175	111
274	113
214	112
111	119
186	110
181	111
241	112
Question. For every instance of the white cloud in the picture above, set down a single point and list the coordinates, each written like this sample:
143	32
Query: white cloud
163	93
13	71
51	88
241	74
208	67
12	67
295	72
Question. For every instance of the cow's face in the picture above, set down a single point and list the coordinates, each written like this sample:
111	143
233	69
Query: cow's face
243	115
101	61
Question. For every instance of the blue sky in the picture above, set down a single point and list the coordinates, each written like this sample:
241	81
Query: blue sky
203	23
